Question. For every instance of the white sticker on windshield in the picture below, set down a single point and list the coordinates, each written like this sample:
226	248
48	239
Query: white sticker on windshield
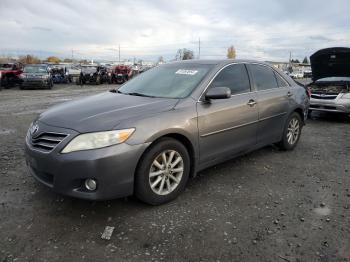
186	72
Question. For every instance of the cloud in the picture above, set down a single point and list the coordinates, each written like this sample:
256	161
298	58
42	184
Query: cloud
41	28
266	30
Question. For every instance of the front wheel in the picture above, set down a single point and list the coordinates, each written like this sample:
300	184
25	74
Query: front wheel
291	132
163	172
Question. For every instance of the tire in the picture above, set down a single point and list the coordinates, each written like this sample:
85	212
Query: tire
295	123
170	183
309	112
50	85
98	80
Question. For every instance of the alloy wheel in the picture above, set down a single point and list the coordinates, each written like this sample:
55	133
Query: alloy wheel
166	172
293	131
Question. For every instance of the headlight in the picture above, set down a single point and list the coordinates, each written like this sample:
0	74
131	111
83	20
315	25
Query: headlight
45	76
98	140
346	96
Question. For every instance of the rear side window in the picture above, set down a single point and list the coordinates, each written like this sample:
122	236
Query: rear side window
234	77
264	77
280	81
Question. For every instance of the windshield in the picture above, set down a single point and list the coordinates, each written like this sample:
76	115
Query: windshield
6	66
168	81
89	69
35	69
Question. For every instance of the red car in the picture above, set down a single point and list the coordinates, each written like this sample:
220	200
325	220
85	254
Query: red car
9	74
121	74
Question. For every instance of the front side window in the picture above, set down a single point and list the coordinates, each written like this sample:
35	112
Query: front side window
234	77
264	77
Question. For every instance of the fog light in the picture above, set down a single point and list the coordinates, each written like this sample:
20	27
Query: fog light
90	184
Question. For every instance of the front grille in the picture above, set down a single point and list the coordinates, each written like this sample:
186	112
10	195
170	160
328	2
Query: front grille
324	96
47	141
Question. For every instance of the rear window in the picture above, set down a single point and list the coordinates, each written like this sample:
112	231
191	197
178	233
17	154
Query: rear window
264	77
280	81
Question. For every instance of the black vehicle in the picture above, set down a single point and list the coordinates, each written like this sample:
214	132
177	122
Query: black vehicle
59	74
93	74
38	75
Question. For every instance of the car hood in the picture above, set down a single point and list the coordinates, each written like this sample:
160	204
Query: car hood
330	62
103	112
34	74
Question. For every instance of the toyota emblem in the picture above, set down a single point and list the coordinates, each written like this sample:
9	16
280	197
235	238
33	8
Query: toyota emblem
34	129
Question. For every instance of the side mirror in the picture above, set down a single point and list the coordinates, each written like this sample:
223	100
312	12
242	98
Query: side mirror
218	93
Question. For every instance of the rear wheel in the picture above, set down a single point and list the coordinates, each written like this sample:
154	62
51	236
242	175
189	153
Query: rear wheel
163	172
291	133
98	80
50	84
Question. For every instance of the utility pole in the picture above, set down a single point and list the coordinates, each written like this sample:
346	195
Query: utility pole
199	48
119	52
72	55
290	56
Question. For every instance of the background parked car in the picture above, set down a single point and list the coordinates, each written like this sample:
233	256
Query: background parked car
330	89
59	74
297	75
9	74
36	75
121	74
93	74
73	72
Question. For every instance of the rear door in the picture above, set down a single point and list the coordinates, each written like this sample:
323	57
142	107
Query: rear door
227	126
273	95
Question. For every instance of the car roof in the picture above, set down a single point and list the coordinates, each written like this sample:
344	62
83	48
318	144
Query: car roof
37	65
218	61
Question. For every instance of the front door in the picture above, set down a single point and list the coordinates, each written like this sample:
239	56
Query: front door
227	126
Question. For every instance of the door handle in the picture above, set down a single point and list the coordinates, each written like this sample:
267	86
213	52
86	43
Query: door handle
289	94
251	102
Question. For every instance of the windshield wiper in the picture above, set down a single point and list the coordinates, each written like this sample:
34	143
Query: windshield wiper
130	94
137	94
115	91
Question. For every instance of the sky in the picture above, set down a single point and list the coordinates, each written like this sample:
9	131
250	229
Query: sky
263	30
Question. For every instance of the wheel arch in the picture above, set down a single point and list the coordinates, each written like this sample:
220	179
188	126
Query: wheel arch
300	111
183	139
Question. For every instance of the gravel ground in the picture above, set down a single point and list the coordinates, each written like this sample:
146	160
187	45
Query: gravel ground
264	206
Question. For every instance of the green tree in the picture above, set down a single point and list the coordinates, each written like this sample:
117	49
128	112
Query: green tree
305	61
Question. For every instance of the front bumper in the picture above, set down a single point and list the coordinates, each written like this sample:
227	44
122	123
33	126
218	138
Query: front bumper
337	105
113	167
89	79
35	82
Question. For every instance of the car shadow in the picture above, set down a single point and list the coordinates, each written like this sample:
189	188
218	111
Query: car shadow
330	117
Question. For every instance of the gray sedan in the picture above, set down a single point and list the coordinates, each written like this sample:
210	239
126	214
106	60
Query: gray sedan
149	136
